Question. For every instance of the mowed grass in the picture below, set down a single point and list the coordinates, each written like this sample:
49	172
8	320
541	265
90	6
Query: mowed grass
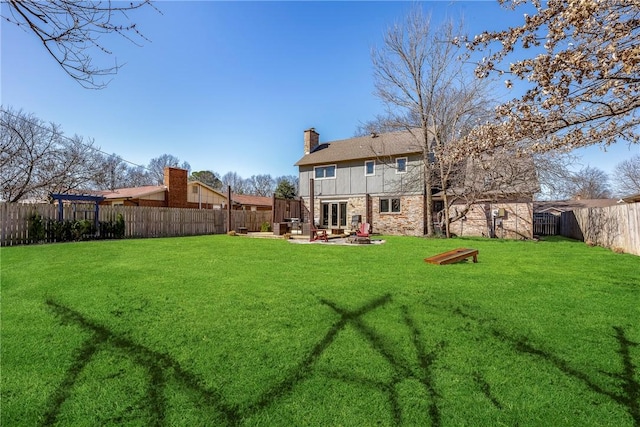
220	330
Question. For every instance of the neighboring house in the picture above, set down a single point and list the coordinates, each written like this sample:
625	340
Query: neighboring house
202	196
177	192
556	207
379	179
251	203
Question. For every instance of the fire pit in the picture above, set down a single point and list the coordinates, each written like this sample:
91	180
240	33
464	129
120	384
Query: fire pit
355	240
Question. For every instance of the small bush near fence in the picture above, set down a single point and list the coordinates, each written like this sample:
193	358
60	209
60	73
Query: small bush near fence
36	227
51	230
113	229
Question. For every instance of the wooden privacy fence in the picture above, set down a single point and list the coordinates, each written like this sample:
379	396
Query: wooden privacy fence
611	227
251	220
139	222
284	209
167	222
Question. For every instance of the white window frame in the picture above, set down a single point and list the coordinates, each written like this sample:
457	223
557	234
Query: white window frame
390	204
365	168
325	167
406	163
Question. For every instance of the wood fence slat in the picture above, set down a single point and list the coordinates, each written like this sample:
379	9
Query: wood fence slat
139	222
612	227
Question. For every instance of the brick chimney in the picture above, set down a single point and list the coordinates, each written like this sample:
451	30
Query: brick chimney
311	140
176	181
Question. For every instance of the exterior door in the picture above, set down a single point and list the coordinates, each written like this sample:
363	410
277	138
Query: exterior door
334	214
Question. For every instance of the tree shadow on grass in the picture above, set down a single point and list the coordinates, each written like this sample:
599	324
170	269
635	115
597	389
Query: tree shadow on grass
629	394
156	364
161	367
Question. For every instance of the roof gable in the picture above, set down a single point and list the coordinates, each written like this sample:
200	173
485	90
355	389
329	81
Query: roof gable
208	187
133	192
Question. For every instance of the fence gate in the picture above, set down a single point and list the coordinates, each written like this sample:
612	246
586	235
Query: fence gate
546	224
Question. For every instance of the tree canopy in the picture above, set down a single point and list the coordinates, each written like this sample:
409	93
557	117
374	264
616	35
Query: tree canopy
429	91
287	187
581	71
207	177
157	164
588	183
37	158
626	176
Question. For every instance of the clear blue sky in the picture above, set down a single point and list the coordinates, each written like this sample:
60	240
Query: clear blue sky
230	86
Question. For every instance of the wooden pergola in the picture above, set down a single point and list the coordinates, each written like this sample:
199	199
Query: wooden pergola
78	198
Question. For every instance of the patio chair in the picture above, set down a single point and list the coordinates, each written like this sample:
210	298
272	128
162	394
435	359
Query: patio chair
364	230
318	234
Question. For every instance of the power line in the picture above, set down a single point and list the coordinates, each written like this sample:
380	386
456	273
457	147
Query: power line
38	125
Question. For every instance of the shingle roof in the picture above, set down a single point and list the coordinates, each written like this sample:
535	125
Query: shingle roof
364	147
132	192
245	199
633	198
570	205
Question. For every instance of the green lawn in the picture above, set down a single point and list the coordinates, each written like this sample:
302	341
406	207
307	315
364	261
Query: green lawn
220	330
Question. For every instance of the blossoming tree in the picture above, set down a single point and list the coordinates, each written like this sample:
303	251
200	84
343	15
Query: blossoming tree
581	71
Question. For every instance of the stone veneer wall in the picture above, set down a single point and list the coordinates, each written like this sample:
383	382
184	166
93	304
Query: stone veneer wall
408	222
518	223
355	206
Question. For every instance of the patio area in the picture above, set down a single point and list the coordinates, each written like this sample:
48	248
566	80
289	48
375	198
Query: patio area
333	239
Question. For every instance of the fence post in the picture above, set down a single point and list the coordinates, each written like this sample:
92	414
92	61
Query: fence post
228	208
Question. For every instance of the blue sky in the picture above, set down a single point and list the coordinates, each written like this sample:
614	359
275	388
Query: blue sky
231	86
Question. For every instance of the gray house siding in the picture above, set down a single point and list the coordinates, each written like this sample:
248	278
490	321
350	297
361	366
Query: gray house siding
351	180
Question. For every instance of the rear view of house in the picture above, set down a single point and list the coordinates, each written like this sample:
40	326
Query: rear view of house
380	179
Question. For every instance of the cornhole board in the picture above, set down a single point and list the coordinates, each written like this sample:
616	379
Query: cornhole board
453	256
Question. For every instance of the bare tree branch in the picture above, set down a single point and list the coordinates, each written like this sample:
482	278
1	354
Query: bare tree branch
36	158
71	32
626	176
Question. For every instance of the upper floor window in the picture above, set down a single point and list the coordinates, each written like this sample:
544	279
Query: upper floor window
369	167
401	165
322	172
